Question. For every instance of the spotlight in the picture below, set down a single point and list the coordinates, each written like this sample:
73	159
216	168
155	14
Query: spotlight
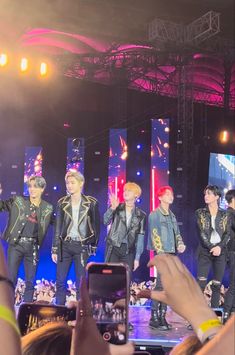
3	59
224	136
43	69
138	200
138	173
24	64
139	146
55	188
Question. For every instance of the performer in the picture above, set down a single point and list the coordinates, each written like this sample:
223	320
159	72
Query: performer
77	229
213	236
164	237
125	240
28	221
229	301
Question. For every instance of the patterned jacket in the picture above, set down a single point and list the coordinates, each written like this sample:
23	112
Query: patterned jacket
203	218
19	210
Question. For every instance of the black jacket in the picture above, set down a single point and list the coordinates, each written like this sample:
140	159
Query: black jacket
203	217
88	224
119	228
19	210
231	228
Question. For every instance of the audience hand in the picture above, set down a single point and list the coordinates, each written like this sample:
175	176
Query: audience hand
181	291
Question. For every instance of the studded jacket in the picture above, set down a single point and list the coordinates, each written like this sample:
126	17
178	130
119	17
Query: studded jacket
203	218
164	234
88	223
19	210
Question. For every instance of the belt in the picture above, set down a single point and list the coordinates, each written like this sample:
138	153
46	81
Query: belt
27	239
69	239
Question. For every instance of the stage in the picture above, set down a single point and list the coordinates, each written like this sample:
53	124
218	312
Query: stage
147	338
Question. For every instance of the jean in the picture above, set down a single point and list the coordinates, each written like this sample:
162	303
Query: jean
218	263
229	300
17	253
71	252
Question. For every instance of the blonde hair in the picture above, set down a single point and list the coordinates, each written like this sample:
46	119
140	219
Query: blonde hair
134	187
76	174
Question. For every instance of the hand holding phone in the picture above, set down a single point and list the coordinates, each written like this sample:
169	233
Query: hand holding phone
109	293
86	338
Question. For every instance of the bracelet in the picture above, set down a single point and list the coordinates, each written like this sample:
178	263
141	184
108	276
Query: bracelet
8	281
8	315
205	326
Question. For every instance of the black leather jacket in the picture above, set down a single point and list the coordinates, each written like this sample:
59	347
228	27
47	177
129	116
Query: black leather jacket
88	224
203	217
19	210
119	228
231	228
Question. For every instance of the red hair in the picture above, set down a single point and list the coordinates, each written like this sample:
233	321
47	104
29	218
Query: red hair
163	189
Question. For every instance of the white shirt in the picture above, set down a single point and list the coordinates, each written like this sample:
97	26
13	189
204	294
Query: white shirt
215	237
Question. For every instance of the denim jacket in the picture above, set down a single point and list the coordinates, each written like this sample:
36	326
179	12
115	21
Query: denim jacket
163	232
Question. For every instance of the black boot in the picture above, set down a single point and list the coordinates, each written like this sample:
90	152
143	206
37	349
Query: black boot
163	322
154	320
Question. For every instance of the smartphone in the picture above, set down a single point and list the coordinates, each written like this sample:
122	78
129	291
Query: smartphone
108	286
32	315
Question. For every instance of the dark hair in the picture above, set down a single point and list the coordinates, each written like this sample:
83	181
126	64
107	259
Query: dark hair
39	181
213	188
230	194
50	339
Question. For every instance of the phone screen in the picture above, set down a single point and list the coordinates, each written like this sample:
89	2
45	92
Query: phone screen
109	292
32	315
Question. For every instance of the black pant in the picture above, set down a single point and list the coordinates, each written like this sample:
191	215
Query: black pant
156	305
71	252
218	263
16	253
229	301
120	255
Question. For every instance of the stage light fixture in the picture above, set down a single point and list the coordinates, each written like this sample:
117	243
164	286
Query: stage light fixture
138	173
55	188
139	146
24	65
224	136
3	59
43	69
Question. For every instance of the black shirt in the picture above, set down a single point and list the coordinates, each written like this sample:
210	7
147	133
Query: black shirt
30	229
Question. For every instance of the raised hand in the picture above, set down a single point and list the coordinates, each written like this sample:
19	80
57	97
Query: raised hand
114	201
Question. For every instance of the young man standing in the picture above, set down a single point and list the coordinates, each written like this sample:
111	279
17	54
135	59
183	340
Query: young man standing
229	301
125	240
28	221
213	236
164	237
77	229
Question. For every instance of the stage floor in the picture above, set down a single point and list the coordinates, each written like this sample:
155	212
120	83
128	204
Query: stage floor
143	335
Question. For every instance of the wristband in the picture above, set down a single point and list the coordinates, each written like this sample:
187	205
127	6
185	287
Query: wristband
8	281
8	315
207	325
